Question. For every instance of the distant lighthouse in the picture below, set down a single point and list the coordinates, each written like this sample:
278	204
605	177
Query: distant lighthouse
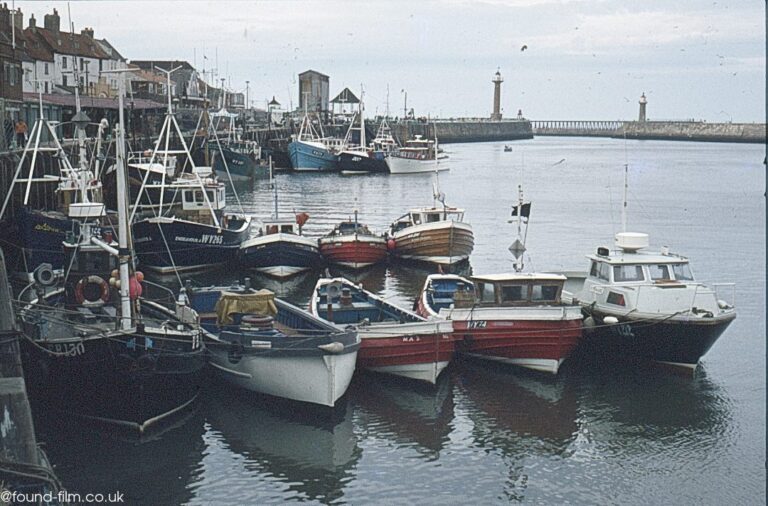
642	103
497	80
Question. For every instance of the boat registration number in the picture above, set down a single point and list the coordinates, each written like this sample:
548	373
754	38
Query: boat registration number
212	239
477	324
68	349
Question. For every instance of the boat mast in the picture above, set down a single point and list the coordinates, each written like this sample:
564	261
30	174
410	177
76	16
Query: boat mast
362	120
624	201
124	255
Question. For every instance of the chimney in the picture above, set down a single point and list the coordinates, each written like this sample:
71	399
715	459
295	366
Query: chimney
52	21
18	19
88	32
32	21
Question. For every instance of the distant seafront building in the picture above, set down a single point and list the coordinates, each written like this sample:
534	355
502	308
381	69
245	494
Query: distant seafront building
314	88
497	80
11	57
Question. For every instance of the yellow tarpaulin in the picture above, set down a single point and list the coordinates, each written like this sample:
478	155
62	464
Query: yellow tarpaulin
261	302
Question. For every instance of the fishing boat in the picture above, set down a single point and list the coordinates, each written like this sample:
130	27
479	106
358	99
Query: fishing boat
312	151
266	345
517	318
231	157
417	155
436	235
351	244
394	340
94	345
359	159
32	234
194	231
280	250
647	304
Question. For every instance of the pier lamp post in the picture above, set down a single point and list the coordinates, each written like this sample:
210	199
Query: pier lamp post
405	103
246	94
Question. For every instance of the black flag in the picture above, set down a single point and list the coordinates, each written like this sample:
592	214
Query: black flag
525	210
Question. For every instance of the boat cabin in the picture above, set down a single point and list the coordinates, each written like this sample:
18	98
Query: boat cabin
280	226
427	215
192	198
350	228
518	289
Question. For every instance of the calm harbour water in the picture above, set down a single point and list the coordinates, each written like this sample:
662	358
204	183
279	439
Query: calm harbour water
490	434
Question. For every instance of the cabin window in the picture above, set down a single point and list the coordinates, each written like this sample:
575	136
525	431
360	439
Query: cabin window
600	270
544	293
416	219
198	197
682	272
286	229
514	293
627	273
210	196
486	292
433	217
659	272
271	229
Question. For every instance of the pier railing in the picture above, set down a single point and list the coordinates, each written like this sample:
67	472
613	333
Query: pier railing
597	128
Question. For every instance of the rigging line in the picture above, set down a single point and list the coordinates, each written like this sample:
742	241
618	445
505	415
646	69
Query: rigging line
170	255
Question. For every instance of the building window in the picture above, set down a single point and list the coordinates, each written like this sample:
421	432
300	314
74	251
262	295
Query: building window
46	87
82	65
101	63
64	80
46	69
64	63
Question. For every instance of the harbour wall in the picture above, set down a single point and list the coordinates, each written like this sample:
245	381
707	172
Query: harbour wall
694	131
449	132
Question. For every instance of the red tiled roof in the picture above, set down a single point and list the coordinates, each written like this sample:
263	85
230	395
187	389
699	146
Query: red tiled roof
36	47
75	44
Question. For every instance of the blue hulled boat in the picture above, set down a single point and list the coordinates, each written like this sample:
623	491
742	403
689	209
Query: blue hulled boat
311	151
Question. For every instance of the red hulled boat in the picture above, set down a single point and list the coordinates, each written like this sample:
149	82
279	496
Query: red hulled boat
394	340
351	244
514	318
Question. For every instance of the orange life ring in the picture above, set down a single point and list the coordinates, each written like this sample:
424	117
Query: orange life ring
80	291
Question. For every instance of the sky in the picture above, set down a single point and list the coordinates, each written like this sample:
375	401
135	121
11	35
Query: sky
560	59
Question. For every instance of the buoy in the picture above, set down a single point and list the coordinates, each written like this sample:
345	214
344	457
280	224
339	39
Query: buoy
134	288
391	244
610	320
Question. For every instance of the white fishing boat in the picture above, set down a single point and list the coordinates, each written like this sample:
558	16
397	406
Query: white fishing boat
647	304
266	345
418	155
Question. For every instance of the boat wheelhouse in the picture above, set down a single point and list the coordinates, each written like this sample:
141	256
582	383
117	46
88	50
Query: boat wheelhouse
648	304
515	318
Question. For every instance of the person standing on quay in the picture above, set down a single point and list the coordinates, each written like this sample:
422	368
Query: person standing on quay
21	133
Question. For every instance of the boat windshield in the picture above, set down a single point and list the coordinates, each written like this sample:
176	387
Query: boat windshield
623	273
659	272
682	272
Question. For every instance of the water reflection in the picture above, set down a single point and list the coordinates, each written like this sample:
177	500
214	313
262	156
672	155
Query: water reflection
159	468
514	410
409	414
312	453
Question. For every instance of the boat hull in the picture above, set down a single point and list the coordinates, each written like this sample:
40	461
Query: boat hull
354	252
312	157
280	255
325	378
355	163
419	351
165	244
400	165
538	344
677	342
443	243
241	167
35	238
128	380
